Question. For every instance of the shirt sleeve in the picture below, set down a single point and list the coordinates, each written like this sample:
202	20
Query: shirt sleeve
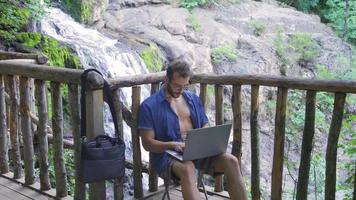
203	118
145	120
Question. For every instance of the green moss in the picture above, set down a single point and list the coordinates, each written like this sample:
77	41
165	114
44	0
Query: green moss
58	55
73	7
29	39
300	48
87	9
194	21
259	27
153	58
80	10
12	20
225	52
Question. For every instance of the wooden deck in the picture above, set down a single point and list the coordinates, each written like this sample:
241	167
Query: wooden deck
11	189
15	190
175	193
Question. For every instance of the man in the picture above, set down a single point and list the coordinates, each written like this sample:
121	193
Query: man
164	120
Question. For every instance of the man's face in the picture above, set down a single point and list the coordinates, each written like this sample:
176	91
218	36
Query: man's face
176	85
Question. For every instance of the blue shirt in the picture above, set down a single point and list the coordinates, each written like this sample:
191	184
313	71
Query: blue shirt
156	114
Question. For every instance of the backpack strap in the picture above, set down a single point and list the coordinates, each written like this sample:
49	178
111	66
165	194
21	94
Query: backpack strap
108	96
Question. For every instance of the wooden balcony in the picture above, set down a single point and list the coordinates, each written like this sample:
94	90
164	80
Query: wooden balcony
19	78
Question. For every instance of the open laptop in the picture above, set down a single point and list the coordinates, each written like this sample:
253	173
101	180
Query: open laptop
204	142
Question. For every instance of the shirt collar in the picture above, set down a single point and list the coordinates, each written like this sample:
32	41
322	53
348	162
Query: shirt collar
161	96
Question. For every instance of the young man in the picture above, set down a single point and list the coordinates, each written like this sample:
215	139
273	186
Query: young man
164	120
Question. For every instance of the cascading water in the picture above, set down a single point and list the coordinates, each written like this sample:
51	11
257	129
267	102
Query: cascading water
95	50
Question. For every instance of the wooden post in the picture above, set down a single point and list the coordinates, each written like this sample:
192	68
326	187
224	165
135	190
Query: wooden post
331	149
307	146
41	101
4	157
7	100
57	126
219	119
26	130
14	132
119	182
153	177
79	190
202	95
255	142
94	112
136	97
279	135
236	109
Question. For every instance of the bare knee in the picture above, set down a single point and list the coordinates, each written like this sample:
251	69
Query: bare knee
230	161
187	171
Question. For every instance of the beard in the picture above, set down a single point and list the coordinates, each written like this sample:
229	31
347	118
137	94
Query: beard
172	93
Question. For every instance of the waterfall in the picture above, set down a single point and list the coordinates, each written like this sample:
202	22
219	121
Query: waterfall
95	50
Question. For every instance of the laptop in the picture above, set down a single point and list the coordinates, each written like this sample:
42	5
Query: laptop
204	142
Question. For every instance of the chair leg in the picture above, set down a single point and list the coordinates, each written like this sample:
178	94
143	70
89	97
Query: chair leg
166	186
201	183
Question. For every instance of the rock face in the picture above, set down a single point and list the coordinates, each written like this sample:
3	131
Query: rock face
85	11
197	34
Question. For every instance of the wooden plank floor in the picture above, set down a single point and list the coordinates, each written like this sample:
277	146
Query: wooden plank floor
10	190
175	193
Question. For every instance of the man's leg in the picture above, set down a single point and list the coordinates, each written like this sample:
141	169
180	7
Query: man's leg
229	164
186	173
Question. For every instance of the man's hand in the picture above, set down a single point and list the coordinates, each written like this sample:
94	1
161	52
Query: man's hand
178	146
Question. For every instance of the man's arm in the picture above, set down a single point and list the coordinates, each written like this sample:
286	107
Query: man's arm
156	146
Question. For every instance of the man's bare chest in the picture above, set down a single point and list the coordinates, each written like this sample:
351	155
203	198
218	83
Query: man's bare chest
180	107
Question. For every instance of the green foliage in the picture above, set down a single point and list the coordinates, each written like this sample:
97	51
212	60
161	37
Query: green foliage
73	7
193	20
259	27
87	10
332	12
300	48
302	5
224	53
190	4
305	47
153	58
12	20
80	10
335	14
348	146
14	15
317	176
58	55
68	156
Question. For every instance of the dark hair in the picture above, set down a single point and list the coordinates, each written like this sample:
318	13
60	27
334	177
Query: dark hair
180	67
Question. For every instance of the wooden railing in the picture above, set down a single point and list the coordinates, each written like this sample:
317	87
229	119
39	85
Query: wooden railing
16	106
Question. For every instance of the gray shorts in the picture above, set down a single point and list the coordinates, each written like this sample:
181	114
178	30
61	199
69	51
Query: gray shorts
205	165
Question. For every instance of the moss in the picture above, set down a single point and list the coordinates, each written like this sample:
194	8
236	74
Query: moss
87	9
153	58
29	39
73	7
300	48
80	10
194	21
259	27
224	53
58	55
12	20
